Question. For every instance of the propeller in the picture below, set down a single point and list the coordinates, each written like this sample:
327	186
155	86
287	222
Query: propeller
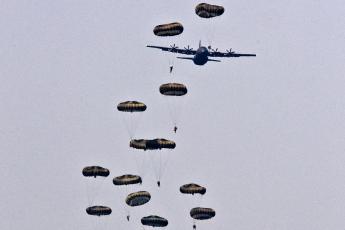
188	48
229	51
173	47
214	51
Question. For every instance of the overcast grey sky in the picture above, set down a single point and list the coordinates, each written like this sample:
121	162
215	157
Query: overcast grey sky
265	135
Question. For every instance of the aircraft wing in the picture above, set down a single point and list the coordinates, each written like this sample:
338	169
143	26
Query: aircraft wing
229	54
174	50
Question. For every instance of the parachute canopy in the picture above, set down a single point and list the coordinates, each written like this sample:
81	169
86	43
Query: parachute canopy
202	213
192	188
154	144
138	198
154	221
98	210
205	10
127	179
131	106
95	171
173	89
170	29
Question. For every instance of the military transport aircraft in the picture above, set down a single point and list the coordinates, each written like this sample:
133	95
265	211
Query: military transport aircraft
202	54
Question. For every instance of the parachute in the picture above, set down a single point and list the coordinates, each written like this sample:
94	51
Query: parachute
192	189
138	144
154	221
199	213
205	10
94	171
170	29
154	144
131	106
173	89
98	210
160	143
94	185
209	12
138	198
131	120
127	180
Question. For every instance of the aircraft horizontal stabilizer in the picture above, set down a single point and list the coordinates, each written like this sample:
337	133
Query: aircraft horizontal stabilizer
213	60
188	58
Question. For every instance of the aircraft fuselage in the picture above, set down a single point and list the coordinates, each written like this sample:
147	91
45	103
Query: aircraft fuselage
201	56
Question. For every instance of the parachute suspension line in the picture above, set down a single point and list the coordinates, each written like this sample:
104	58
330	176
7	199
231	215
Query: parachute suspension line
88	193
145	163
200	198
93	188
127	210
170	29
164	164
172	111
174	93
124	193
101	222
153	163
132	127
175	108
160	167
140	161
135	123
131	122
210	34
170	62
128	127
95	224
156	165
98	190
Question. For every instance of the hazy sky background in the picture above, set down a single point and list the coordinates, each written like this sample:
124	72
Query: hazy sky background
265	135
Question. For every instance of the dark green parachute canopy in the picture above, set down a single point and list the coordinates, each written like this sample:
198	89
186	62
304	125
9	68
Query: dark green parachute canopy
170	29
154	144
131	106
173	89
127	179
192	188
95	171
98	210
154	221
202	213
205	10
160	143
138	144
138	198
